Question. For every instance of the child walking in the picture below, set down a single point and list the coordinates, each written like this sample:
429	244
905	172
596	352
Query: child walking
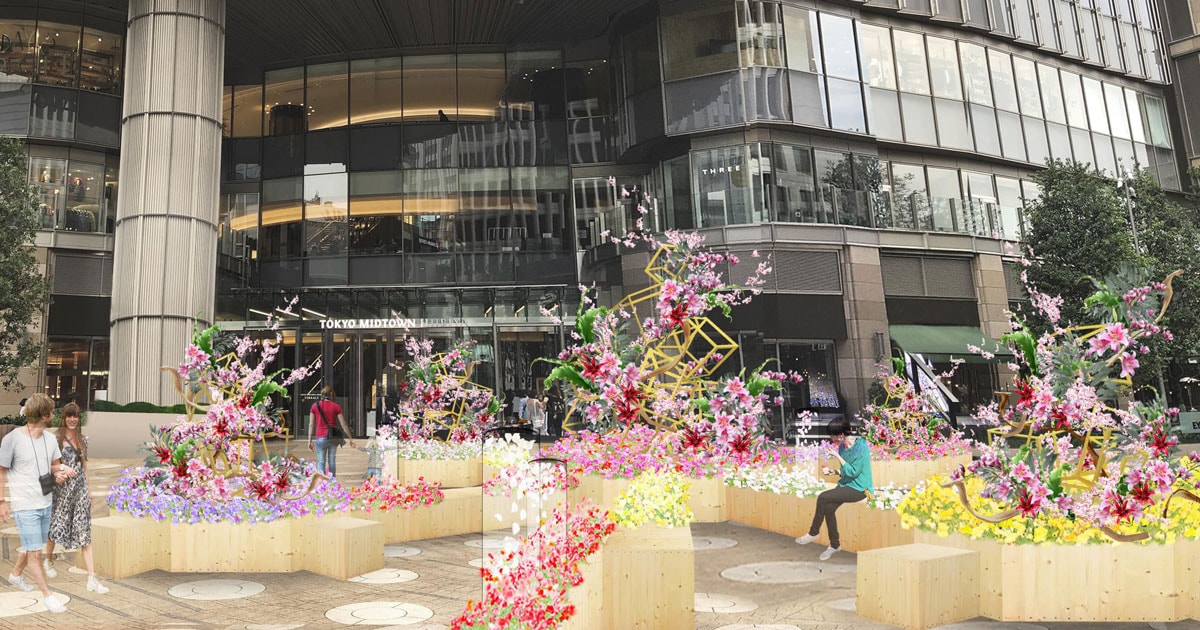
374	459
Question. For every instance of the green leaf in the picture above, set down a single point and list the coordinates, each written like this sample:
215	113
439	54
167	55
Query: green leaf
570	374
585	324
1054	482
264	389
1025	342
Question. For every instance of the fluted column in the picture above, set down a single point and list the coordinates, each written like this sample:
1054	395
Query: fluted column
166	230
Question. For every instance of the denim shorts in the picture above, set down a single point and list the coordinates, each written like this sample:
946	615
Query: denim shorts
33	527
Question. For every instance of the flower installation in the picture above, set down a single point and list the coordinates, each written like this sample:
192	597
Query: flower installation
437	396
425	448
532	485
654	498
511	450
386	494
776	480
906	425
527	583
1083	461
204	467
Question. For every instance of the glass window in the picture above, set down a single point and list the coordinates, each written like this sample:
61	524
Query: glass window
486	144
1060	141
594	196
283	109
910	201
846	106
723	194
885	115
918	6
536	84
103	55
1135	116
1008	195
431	193
953	131
238	237
793	187
949	9
16	101
99	119
430	89
1011	142
227	111
1023	21
800	27
761	34
1068	30
1155	115
877	51
1126	157
1094	96
375	91
244	159
1052	96
910	62
49	177
430	145
1003	83
283	156
1108	39
282	214
677	185
588	90
945	195
1131	49
375	148
977	13
943	68
485	220
377	224
18	55
838	42
1117	118
481	81
1001	20
1105	161
639	57
918	119
85	195
975	71
325	152
704	103
1047	24
1073	98
54	112
247	111
983	122
808	99
699	42
539	199
58	53
1028	95
766	93
1035	139
1081	145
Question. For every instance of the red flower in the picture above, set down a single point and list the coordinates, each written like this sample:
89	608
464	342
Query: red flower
1027	504
1143	492
590	365
1024	394
261	489
741	444
693	438
163	453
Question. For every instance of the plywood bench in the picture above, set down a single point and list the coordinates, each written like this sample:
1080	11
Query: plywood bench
126	546
342	547
918	586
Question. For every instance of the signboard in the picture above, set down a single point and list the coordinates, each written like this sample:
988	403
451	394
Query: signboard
1189	422
391	322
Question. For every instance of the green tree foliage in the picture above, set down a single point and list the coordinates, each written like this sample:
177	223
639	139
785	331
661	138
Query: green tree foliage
23	289
1079	228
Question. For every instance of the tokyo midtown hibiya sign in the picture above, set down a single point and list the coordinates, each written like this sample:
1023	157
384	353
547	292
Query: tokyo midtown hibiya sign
390	322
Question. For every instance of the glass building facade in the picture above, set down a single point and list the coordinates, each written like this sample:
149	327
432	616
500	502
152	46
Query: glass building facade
464	189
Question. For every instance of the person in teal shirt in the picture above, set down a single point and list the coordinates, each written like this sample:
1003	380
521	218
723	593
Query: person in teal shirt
853	484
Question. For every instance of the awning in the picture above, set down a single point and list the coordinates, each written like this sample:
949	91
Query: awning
938	342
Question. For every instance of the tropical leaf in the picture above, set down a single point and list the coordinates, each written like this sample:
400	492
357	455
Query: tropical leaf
585	324
1024	342
266	388
570	374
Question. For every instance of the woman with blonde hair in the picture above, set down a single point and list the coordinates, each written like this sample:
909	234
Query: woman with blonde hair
326	415
71	516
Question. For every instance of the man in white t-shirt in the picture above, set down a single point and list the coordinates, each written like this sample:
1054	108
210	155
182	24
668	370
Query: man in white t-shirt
26	454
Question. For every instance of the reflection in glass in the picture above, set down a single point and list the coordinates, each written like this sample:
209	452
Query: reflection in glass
1094	95
722	186
877	51
910	201
697	43
838	42
282	212
846	106
54	112
1028	94
792	185
885	115
1035	139
58	53
535	84
375	91
429	145
918	119
595	196
1073	98
247	111
1135	116
103	55
943	68
376	222
1003	84
539	199
945	196
1118	118
910	62
975	72
49	177
953	131
18	57
1106	162
808	99
800	27
704	103
237	237
987	137
283	110
99	119
1012	143
760	33
1052	95
481	88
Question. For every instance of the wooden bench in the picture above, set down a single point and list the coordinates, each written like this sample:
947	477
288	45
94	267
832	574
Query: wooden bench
918	586
126	546
342	547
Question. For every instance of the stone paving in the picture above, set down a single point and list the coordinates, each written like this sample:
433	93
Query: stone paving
745	578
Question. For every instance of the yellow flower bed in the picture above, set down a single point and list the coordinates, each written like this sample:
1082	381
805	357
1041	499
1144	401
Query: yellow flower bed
654	498
935	509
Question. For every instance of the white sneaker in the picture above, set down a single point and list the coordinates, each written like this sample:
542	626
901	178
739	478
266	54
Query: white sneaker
19	582
95	586
54	604
48	565
805	539
828	553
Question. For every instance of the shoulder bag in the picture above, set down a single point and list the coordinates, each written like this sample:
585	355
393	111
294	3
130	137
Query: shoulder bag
333	432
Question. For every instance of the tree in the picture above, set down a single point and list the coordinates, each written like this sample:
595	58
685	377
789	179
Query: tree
1080	228
23	289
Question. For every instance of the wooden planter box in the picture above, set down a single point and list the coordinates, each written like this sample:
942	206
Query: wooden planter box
452	473
334	545
1083	583
588	597
898	473
706	498
460	512
861	528
648	579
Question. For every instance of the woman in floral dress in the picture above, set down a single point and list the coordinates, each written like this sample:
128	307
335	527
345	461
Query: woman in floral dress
71	518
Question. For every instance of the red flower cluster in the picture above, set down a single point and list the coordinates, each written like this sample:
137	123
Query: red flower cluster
528	587
388	495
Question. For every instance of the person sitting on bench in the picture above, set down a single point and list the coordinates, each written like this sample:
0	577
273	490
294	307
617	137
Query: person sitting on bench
854	483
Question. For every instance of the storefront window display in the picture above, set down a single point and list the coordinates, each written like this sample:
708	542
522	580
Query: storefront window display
76	369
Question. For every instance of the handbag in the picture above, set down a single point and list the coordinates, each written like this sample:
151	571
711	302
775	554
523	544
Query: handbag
333	433
46	480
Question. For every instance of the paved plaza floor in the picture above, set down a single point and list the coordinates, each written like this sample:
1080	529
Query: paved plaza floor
745	578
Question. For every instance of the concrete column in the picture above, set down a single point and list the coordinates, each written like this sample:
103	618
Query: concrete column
866	315
166	229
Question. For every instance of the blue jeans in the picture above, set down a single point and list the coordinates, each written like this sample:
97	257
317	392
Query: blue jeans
374	472
33	526
326	456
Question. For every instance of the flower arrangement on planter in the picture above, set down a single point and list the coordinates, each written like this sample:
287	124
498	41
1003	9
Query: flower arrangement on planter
203	467
510	450
776	480
1084	463
656	499
425	448
386	495
526	586
437	396
905	426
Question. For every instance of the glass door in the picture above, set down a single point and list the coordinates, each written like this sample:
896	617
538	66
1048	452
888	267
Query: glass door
373	380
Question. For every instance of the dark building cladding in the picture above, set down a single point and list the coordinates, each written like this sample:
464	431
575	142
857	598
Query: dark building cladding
447	164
